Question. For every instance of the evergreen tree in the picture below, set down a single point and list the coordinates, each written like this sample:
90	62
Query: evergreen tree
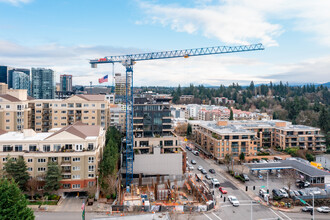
242	157
324	119
53	177
13	204
231	117
18	171
189	129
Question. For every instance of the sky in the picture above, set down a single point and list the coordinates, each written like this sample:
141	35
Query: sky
65	34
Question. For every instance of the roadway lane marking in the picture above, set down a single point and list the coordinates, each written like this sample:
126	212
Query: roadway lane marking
207	216
285	215
216	216
276	214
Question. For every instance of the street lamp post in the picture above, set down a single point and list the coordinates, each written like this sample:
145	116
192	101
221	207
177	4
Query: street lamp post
313	204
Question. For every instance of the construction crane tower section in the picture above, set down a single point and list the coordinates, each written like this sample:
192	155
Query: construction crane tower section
129	60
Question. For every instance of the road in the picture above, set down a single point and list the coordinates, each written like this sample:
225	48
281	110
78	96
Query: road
66	215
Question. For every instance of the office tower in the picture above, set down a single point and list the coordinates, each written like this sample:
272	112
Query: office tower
20	80
4	74
43	83
66	83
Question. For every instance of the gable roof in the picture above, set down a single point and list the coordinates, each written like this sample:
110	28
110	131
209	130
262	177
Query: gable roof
92	97
9	98
80	129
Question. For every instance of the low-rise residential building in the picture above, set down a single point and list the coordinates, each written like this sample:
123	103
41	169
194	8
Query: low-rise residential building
118	117
76	148
256	134
186	99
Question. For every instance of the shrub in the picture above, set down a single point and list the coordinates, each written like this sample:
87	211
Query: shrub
113	195
53	197
108	196
37	196
282	204
275	204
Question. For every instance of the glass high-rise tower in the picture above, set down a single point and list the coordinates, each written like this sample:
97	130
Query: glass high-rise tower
43	83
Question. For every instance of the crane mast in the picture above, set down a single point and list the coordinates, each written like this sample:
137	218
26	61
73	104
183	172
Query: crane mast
129	60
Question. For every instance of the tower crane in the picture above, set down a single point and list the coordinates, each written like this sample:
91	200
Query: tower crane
129	60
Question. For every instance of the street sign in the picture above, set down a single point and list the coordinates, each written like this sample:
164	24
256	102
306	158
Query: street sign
303	201
262	186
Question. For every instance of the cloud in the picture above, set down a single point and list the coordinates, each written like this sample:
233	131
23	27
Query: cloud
244	21
311	70
16	2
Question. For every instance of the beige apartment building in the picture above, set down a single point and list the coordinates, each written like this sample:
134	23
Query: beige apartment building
89	109
263	133
76	148
219	139
15	114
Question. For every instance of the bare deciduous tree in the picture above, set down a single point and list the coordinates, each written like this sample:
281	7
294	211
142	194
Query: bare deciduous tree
289	177
32	185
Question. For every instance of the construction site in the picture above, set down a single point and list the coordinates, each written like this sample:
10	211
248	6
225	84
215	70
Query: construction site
186	193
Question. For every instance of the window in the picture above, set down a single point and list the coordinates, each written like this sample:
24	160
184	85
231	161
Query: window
76	159
7	113
78	105
75	176
63	118
75	168
18	148
79	147
70	105
63	112
90	159
30	160
66	158
86	111
40	187
7	148
66	186
91	168
41	169
29	169
63	124
5	159
90	183
7	120
41	160
102	105
63	105
57	147
7	106
85	105
75	186
93	105
53	159
90	146
46	148
91	175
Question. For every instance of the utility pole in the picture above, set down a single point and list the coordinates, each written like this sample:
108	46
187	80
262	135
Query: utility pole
251	211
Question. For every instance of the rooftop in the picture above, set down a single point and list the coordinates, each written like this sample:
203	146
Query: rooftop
289	164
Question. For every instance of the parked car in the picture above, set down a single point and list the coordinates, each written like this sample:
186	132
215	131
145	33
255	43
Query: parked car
199	168
302	193
208	177
292	194
284	193
296	193
211	170
307	209
203	171
277	193
245	176
191	168
233	200
324	209
222	190
286	188
193	162
215	182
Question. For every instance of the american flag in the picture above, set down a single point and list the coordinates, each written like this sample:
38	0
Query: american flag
103	79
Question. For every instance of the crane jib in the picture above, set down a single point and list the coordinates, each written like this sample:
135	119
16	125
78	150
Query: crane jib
179	53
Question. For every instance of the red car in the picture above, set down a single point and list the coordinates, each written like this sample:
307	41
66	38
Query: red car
222	190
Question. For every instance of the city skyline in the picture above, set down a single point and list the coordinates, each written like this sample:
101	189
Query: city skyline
295	37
